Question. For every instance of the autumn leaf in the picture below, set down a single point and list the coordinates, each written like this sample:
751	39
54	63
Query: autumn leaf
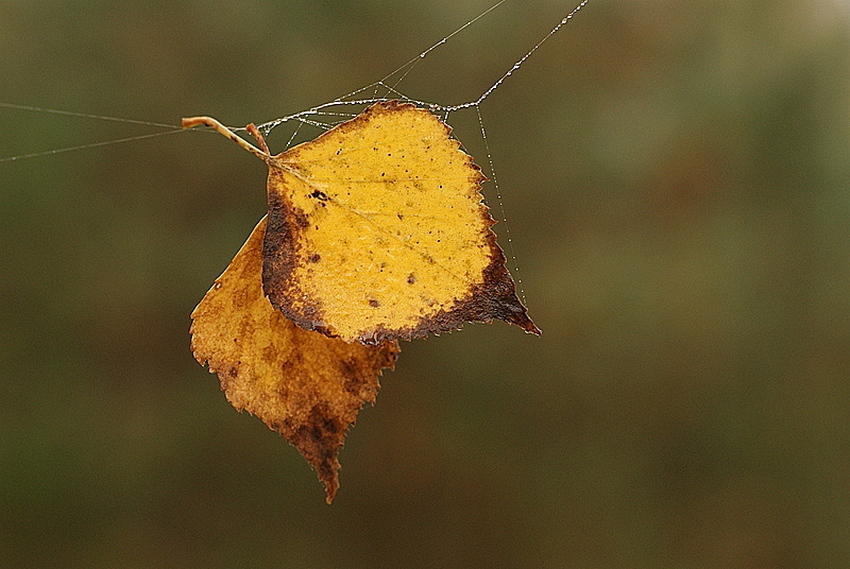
304	385
376	231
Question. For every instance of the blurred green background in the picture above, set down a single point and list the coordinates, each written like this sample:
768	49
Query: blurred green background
676	177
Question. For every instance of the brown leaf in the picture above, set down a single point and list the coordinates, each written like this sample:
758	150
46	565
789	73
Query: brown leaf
303	384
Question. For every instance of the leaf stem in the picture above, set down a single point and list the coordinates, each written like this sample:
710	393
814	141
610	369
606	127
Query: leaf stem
262	154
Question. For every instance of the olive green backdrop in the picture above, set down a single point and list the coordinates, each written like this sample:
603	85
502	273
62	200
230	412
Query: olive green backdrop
676	177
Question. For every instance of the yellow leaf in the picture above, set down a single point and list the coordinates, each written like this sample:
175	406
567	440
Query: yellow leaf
377	231
300	383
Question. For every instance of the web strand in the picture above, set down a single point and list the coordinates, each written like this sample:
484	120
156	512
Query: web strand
86	116
91	145
502	212
408	67
564	21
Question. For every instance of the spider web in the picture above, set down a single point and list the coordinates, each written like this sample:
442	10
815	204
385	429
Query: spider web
326	115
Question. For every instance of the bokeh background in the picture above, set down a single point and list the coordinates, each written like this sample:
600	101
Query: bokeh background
676	177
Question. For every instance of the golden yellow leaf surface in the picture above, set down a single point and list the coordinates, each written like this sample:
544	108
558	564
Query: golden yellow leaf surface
303	384
377	230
